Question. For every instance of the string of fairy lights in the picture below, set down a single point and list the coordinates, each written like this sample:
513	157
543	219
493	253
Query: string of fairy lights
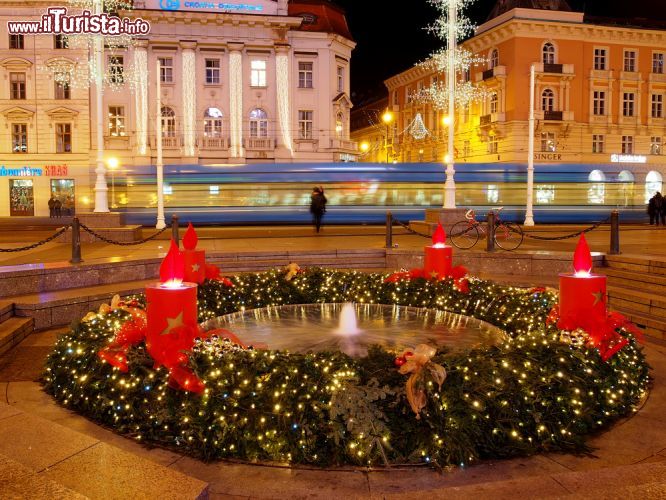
541	389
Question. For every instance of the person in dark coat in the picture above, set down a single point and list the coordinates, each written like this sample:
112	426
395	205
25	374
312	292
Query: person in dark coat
317	206
661	206
58	208
52	206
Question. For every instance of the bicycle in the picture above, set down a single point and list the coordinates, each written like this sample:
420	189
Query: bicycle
465	234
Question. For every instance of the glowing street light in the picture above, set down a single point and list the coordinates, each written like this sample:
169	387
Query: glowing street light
365	146
387	118
446	120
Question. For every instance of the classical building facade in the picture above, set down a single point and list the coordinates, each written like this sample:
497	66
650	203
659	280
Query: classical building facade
240	82
599	94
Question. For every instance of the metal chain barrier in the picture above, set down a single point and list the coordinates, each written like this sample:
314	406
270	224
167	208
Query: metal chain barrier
402	224
566	236
122	243
39	243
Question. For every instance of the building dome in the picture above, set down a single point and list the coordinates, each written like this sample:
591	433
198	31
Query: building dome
320	15
503	6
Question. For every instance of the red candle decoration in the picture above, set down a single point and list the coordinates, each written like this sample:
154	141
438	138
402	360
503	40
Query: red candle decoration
438	256
172	320
582	294
194	260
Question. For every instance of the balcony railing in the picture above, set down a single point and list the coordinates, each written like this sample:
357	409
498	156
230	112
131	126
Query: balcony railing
499	70
344	144
213	143
259	143
170	142
552	115
553	68
485	120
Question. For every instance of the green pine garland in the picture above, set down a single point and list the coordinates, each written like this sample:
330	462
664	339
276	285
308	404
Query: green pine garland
533	393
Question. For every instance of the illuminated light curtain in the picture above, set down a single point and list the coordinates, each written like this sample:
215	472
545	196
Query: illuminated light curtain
141	98
236	103
189	102
283	106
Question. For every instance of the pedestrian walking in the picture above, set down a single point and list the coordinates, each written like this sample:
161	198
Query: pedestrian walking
662	211
58	208
658	208
52	206
317	206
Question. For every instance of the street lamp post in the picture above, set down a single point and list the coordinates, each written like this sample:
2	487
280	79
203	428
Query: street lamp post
113	164
529	210
101	189
387	118
450	185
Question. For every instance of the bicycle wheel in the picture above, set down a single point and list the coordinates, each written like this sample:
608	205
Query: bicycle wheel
464	235
508	235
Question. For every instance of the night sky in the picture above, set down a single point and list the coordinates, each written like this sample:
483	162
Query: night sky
391	35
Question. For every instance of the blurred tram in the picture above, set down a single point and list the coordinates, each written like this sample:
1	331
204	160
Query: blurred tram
361	193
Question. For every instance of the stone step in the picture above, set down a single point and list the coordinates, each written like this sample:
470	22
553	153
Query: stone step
18	481
639	481
13	331
637	281
651	325
6	310
86	465
638	301
649	265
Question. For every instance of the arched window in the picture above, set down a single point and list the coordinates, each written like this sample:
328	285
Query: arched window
547	100
340	125
653	184
168	122
213	123
596	193
258	123
548	53
494	59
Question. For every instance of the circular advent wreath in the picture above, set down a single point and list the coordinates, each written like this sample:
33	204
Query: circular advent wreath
543	389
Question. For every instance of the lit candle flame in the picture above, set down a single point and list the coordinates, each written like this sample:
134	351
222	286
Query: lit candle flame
190	239
582	259
172	269
439	237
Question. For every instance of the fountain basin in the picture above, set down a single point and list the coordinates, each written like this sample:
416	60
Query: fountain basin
317	327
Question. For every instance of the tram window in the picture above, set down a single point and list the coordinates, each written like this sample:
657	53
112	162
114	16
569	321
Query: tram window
492	193
545	194
214	189
167	189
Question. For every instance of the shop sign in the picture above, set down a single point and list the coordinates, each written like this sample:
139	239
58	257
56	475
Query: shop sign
548	156
257	7
25	171
628	158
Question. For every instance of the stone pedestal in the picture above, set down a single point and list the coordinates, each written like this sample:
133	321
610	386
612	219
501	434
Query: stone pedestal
108	224
446	216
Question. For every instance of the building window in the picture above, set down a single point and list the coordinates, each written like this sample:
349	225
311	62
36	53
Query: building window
166	69
548	53
63	137
599	103
627	144
548	142
494	102
630	61
658	62
657	105
494	59
258	123
408	95
62	90
60	42
305	72
396	98
19	138
116	121
492	144
305	124
212	71
168	122
467	75
258	73
547	100
628	101
17	85
600	59
213	123
340	125
16	42
655	145
341	79
598	142
116	69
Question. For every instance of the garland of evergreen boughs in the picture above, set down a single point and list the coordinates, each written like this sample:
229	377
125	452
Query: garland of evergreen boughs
534	393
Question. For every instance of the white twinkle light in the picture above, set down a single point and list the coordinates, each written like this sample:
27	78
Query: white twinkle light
140	84
282	70
189	102
236	103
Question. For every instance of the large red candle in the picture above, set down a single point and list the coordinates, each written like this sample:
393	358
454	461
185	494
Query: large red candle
582	294
195	260
171	311
438	256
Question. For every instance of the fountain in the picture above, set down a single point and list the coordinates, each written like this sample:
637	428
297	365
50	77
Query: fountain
352	328
348	324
